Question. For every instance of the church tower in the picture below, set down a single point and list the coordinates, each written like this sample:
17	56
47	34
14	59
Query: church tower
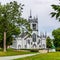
34	26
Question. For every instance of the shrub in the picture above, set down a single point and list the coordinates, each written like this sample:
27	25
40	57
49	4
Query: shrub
34	50
58	49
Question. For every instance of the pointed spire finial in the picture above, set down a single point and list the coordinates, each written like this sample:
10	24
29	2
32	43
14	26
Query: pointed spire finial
30	14
37	17
45	34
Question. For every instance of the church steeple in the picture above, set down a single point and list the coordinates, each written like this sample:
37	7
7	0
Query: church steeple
36	17
30	14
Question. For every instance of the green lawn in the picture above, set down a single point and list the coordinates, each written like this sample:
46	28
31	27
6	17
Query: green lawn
11	52
47	56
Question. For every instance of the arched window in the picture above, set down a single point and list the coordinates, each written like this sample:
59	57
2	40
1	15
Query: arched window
25	46
38	41
31	43
19	46
34	45
34	37
43	45
28	41
40	46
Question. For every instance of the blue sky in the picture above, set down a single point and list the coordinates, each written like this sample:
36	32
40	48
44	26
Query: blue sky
42	9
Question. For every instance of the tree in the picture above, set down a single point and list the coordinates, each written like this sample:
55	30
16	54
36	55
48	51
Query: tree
56	12
10	22
56	34
48	42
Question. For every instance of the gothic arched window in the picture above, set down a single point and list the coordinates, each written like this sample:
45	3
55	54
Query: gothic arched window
43	45
19	46
40	46
25	46
34	45
38	41
28	41
34	37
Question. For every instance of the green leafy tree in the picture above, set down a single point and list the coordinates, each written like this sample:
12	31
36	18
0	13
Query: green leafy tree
48	42
56	34
10	22
56	12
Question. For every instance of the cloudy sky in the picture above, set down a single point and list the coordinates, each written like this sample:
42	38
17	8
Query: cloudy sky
42	9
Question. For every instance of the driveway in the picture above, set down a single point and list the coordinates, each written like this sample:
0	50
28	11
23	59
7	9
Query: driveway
18	56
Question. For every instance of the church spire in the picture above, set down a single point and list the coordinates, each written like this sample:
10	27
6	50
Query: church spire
30	14
45	34
36	17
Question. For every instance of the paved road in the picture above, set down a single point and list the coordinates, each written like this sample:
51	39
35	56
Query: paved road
18	56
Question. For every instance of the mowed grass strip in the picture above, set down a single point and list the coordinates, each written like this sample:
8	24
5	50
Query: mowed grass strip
46	56
11	52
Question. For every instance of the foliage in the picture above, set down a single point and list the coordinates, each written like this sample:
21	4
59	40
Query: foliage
56	34
34	50
48	42
58	49
47	56
11	21
56	12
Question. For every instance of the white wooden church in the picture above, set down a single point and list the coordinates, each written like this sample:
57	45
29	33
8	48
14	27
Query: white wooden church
23	41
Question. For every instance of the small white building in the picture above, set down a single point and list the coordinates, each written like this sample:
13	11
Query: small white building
30	42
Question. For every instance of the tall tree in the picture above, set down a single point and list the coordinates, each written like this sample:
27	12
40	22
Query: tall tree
56	34
48	42
10	21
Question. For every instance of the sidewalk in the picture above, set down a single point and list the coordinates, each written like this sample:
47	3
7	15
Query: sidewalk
18	56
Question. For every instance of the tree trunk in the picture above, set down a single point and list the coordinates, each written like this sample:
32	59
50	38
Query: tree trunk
4	42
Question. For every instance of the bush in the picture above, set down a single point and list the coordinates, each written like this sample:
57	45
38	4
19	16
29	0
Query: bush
34	50
57	49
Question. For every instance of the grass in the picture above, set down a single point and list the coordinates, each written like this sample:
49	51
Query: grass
11	52
46	56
